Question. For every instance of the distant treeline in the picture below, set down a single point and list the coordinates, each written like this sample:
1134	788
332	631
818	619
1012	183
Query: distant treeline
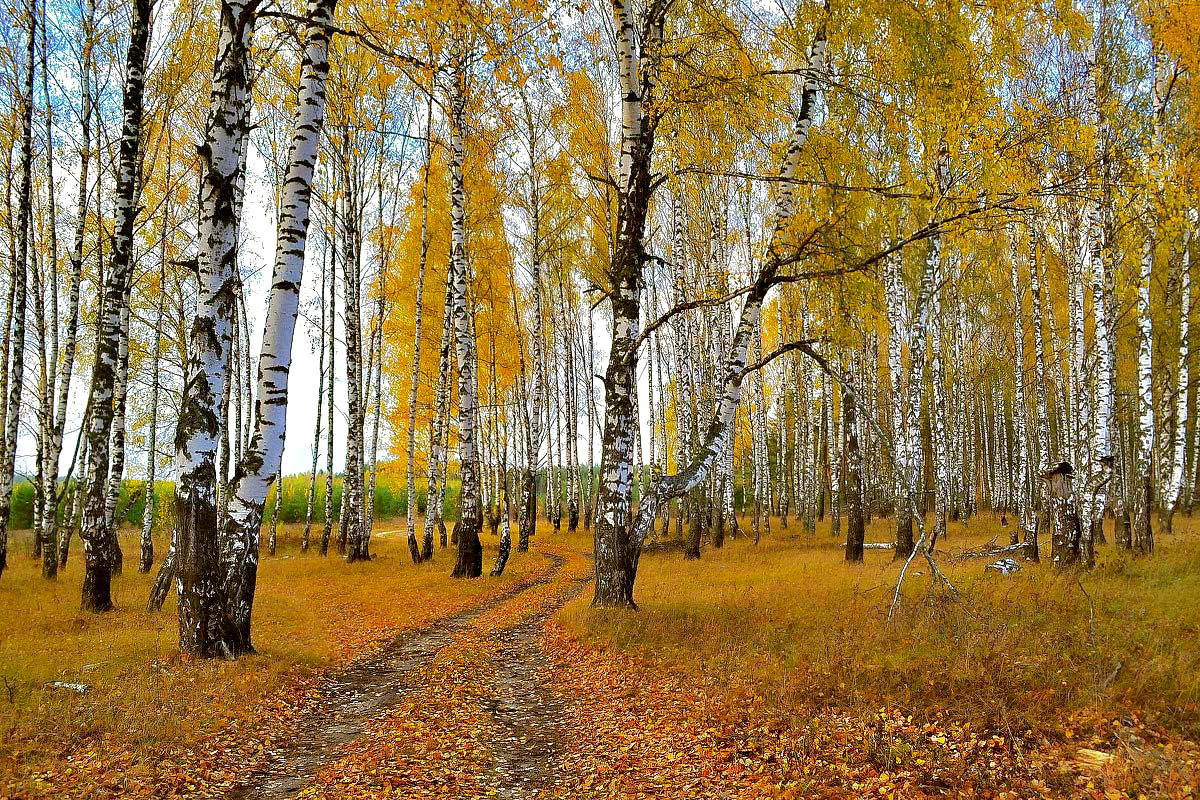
390	500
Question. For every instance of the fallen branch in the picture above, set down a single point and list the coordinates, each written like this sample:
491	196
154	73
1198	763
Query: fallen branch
989	551
919	548
879	545
78	688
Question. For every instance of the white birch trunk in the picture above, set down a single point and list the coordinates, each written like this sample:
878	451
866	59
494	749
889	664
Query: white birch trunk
259	467
110	372
202	630
469	563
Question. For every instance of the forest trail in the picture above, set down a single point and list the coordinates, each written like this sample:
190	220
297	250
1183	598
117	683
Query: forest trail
355	704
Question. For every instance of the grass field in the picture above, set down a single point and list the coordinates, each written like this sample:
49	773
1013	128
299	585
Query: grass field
790	622
784	632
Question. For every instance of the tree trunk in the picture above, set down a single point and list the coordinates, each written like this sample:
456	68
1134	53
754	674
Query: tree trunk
469	563
203	628
410	484
327	530
17	350
855	529
109	377
1025	527
147	550
353	532
316	446
260	463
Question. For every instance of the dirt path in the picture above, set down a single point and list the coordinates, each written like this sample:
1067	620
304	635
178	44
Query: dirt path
529	722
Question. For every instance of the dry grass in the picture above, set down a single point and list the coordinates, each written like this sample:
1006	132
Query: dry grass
789	620
145	699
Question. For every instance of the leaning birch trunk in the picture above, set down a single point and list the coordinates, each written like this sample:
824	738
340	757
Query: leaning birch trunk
720	428
469	563
112	346
353	531
259	466
203	629
615	569
15	386
147	551
410	484
162	580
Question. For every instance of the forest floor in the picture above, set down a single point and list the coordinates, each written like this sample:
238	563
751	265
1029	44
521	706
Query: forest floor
768	671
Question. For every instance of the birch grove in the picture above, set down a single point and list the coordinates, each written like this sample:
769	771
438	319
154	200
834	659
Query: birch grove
672	275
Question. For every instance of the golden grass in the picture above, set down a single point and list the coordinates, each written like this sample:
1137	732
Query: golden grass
790	621
146	699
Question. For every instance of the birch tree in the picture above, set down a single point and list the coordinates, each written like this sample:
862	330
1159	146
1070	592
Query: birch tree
469	562
203	628
15	336
109	376
259	466
617	556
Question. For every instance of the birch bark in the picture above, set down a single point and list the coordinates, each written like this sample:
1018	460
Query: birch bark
110	372
620	585
414	549
259	466
18	288
202	628
469	563
1143	535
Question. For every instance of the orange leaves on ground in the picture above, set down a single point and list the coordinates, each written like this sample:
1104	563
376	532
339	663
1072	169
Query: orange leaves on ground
651	730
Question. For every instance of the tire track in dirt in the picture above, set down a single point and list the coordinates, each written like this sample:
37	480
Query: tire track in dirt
360	695
532	724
